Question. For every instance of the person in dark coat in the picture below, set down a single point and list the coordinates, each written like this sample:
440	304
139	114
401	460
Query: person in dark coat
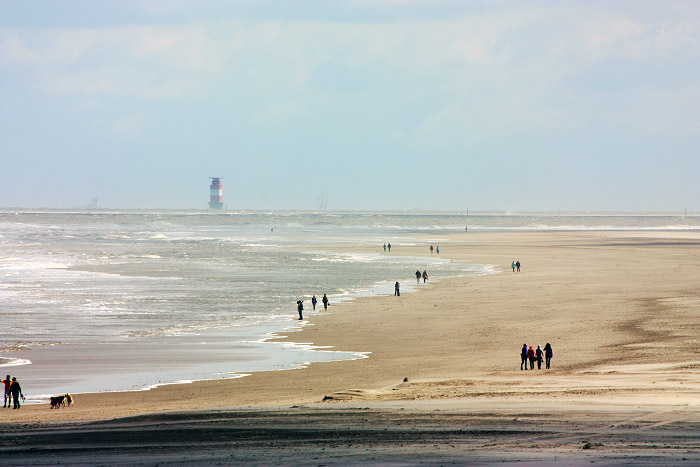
16	392
325	302
313	303
396	290
418	276
548	354
425	276
523	357
517	265
300	308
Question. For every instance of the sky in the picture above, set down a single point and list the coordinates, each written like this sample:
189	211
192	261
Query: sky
374	104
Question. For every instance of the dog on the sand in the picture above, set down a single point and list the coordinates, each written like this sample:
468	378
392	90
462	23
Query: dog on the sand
61	401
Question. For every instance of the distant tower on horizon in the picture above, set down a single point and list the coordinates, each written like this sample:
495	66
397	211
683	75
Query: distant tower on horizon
216	194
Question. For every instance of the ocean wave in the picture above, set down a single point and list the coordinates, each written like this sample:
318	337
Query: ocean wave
8	361
581	227
33	264
178	330
17	346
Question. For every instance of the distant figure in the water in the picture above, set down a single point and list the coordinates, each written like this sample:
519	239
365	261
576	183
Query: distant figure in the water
531	357
389	247
313	303
512	265
425	276
431	249
396	290
300	308
523	357
517	265
548	355
538	356
325	302
418	276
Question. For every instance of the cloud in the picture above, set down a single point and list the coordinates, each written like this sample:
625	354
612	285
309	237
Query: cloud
140	62
500	68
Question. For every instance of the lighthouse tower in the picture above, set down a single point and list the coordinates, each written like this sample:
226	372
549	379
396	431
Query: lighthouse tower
216	194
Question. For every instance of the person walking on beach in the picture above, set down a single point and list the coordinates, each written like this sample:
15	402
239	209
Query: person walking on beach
547	355
512	265
385	247
523	357
389	247
517	265
437	249
325	302
531	357
7	382
313	303
431	249
538	356
300	308
16	391
396	290
425	276
418	275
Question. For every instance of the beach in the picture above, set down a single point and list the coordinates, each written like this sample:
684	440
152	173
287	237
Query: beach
620	309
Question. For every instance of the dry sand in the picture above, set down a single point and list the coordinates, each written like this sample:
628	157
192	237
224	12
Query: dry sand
621	310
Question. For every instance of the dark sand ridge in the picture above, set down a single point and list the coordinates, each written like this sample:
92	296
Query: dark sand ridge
621	312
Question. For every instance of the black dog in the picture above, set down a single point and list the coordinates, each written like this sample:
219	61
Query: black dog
61	401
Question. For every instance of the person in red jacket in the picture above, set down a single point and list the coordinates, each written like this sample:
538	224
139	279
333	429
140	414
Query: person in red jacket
8	383
531	357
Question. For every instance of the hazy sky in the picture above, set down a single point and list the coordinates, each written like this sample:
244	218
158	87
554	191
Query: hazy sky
379	104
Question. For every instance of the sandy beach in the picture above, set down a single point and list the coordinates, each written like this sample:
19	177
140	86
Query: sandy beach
620	309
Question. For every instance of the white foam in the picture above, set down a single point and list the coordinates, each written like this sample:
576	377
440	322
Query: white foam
7	361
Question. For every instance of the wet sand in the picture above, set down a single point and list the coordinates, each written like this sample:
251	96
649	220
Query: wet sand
621	310
371	435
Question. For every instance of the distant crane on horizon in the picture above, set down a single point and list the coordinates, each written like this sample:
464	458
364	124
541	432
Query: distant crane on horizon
321	202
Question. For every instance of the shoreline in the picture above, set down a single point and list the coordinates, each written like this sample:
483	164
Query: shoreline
336	331
621	312
268	338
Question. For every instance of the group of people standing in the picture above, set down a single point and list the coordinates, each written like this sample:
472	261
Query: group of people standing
531	355
314	301
13	392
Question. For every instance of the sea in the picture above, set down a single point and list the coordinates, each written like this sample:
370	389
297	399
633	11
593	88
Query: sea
114	300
